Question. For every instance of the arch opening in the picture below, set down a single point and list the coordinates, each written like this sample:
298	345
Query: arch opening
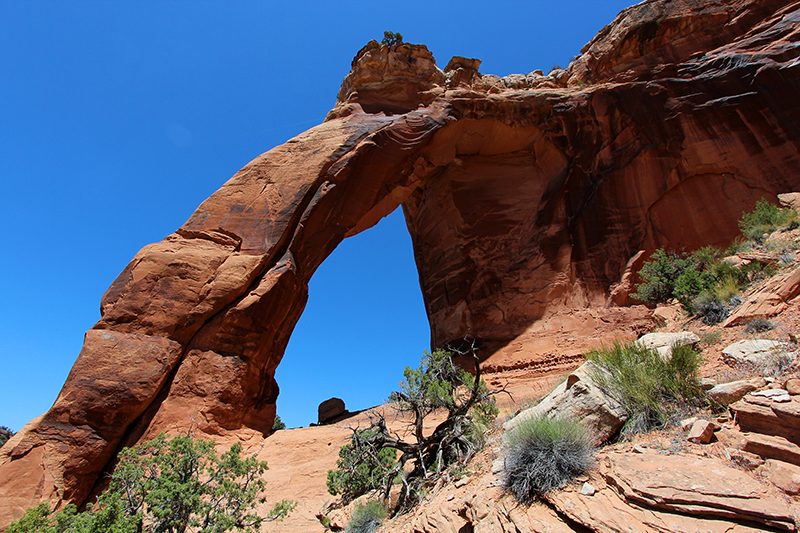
364	322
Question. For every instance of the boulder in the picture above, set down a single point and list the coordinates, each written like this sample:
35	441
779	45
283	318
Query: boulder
725	394
330	410
753	353
663	342
701	432
579	398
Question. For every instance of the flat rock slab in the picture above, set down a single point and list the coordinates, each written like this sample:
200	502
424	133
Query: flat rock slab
733	391
607	511
697	486
772	447
751	351
762	415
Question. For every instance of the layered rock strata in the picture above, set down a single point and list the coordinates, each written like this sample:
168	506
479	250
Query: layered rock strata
525	197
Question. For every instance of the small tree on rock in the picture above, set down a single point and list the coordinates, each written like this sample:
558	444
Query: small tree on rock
391	39
438	385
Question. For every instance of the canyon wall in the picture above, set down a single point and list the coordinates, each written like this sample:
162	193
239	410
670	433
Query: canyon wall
525	196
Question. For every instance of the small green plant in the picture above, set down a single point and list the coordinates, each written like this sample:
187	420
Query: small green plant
653	391
765	219
5	434
366	518
710	338
170	486
543	454
360	468
278	424
391	39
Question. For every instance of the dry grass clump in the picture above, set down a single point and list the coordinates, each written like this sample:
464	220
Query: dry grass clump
543	454
366	518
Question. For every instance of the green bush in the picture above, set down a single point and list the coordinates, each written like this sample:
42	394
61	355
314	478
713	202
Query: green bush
767	218
172	486
543	454
366	518
5	434
653	391
391	38
360	467
278	424
660	276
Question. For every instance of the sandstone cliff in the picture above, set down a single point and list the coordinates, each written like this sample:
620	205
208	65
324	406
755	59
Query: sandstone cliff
525	196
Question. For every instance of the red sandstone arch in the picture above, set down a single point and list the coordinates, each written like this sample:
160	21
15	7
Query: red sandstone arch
523	197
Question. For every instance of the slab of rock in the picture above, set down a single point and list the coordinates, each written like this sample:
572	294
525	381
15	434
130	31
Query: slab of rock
697	486
663	342
770	300
771	447
760	415
330	410
725	394
611	511
578	398
785	476
751	352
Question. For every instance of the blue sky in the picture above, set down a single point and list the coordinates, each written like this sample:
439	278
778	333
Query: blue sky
118	118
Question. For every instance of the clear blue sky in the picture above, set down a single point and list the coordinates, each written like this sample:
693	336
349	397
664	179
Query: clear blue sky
118	118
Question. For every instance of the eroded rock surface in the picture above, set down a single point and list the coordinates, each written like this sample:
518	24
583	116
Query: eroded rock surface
527	199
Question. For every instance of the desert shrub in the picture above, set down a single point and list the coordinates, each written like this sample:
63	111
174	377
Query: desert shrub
366	518
759	325
543	454
710	308
652	390
438	385
5	434
173	486
391	38
765	219
360	467
278	424
660	276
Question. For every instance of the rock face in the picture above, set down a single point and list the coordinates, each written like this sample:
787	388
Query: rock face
525	196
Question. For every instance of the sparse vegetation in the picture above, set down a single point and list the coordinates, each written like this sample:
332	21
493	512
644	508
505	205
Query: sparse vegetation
436	386
767	218
758	325
391	38
356	472
366	518
543	454
5	434
653	391
278	424
170	486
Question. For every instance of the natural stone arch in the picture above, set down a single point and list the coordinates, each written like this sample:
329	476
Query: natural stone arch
525	197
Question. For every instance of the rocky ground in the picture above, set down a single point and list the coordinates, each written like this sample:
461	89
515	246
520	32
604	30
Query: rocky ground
742	475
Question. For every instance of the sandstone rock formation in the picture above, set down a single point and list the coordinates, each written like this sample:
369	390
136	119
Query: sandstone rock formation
525	196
